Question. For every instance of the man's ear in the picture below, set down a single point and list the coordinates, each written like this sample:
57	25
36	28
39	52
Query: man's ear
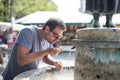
47	29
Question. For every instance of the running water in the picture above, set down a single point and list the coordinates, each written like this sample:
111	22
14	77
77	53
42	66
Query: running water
69	54
71	51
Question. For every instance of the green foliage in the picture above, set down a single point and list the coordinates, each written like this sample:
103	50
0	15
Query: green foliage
4	10
25	7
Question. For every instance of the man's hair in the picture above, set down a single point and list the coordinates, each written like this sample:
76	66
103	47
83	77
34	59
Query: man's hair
54	22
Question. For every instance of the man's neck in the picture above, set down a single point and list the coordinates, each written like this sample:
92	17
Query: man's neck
42	34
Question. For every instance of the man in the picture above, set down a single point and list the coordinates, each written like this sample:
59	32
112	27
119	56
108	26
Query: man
32	45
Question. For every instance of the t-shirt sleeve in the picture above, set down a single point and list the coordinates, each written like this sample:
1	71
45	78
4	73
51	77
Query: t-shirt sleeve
25	38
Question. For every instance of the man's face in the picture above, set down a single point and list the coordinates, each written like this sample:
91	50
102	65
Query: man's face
54	35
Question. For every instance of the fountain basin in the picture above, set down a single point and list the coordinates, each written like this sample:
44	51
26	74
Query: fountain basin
47	73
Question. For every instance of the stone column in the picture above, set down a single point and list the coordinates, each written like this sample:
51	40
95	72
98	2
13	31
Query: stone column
97	54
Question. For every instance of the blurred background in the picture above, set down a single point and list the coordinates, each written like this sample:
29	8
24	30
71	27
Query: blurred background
18	14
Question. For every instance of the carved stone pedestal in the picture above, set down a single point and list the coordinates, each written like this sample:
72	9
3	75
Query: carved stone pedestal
97	54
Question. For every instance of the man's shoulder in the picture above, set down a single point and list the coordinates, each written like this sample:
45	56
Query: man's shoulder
29	29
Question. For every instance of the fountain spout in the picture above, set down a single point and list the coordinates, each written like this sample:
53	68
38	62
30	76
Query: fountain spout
73	47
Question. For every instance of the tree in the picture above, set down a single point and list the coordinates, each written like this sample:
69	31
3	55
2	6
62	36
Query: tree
4	10
24	7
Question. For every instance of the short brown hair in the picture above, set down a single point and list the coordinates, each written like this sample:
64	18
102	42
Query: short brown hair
54	22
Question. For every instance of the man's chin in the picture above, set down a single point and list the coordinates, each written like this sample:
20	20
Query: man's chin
51	42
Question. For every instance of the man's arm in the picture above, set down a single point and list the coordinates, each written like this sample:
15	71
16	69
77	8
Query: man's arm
24	57
49	60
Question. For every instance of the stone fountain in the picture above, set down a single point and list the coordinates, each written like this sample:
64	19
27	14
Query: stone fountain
97	57
97	54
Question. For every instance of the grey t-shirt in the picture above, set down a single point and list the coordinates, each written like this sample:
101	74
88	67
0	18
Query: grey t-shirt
29	38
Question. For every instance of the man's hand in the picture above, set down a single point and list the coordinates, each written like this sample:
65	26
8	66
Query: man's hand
54	51
59	47
58	65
